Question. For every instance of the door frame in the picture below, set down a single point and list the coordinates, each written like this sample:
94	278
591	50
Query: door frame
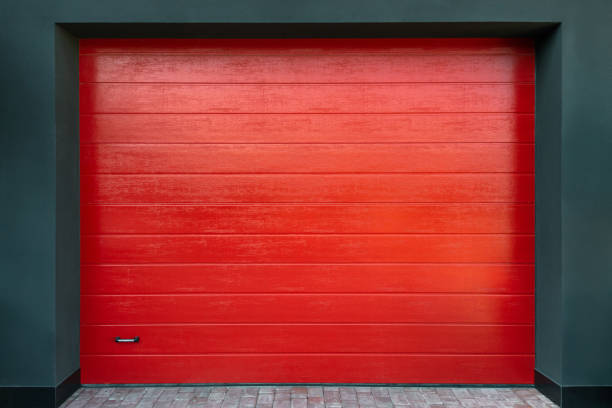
548	244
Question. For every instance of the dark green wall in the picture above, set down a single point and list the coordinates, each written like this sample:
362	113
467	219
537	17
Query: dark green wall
38	155
67	308
587	194
548	230
27	199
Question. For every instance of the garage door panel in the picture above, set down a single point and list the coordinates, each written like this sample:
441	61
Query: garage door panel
306	338
330	248
306	128
286	188
331	368
333	46
306	158
313	278
307	308
201	68
314	218
346	210
321	98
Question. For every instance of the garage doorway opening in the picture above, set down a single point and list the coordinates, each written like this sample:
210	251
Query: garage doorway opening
330	210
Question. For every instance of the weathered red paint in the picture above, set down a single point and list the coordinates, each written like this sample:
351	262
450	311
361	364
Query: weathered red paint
307	210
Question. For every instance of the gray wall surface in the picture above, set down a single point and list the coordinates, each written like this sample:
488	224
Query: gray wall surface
39	155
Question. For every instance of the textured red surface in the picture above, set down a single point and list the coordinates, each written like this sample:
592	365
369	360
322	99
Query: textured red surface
307	211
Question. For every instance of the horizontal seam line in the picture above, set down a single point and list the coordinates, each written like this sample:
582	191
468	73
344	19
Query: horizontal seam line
312	204
205	83
307	174
312	324
288	294
478	324
261	203
317	173
295	143
302	113
307	354
448	54
309	264
319	113
368	204
83	202
337	234
304	173
341	143
311	293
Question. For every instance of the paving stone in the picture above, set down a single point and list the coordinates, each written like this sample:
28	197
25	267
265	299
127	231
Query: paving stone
247	401
299	392
251	391
299	403
365	399
306	397
152	393
234	393
265	399
331	397
145	404
230	403
315	402
382	401
446	395
399	398
163	404
380	391
185	396
282	395
462	393
134	395
168	394
282	403
80	403
348	394
469	403
216	396
202	390
432	397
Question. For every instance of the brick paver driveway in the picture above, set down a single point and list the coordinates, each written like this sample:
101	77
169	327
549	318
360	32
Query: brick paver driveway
306	397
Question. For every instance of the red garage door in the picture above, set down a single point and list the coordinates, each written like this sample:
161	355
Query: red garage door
307	211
